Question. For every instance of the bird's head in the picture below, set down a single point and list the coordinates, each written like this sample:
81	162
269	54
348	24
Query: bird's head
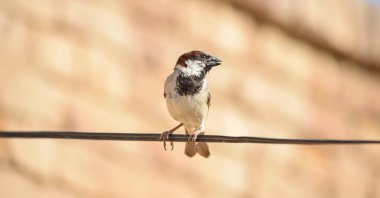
196	63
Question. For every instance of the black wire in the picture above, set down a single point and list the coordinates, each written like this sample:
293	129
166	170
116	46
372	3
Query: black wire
173	137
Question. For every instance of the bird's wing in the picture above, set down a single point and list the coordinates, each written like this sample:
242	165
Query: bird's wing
209	100
169	85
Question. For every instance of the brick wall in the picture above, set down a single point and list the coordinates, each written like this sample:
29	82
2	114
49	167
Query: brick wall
101	65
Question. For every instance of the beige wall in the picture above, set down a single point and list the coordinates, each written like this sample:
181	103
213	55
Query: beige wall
293	69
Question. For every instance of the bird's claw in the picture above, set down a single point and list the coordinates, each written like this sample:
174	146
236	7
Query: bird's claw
193	139
165	137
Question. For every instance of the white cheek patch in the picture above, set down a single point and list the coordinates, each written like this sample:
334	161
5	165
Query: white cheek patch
194	68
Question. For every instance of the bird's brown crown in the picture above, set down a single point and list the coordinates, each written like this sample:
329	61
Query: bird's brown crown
195	54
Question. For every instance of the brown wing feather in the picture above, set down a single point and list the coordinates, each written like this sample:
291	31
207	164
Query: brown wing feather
209	100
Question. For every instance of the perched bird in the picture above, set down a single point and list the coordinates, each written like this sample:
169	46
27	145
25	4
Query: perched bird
188	98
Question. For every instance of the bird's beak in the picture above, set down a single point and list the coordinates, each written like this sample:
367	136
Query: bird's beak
213	61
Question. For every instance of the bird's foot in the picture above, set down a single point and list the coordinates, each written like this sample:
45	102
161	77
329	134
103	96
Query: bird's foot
165	137
193	139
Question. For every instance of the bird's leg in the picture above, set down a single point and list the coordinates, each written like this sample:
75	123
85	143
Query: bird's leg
165	136
193	137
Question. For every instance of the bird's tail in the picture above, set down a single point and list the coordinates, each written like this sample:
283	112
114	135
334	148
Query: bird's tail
201	148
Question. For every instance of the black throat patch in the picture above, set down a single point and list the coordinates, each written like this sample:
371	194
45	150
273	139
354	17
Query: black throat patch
189	85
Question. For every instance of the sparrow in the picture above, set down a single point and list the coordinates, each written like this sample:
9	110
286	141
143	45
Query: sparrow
188	98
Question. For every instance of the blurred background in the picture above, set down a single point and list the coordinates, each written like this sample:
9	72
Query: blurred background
291	69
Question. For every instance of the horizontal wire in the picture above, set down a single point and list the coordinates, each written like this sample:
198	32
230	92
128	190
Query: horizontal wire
174	138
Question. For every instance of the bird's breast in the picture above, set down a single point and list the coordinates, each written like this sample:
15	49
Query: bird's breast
191	110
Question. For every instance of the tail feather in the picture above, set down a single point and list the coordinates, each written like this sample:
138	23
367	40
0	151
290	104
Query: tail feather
201	148
189	149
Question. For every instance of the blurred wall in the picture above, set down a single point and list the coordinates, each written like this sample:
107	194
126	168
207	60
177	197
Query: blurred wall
292	69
